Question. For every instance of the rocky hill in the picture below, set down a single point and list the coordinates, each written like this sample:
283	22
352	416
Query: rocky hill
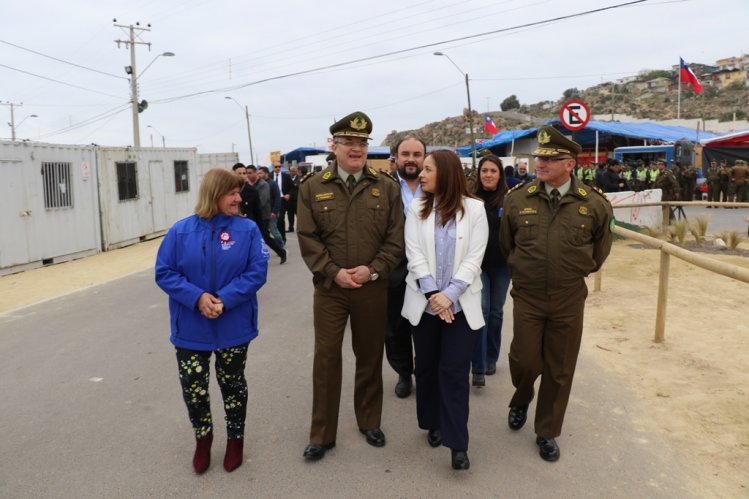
652	95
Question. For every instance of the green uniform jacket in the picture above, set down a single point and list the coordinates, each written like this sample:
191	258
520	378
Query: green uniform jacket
551	252
713	175
340	230
666	181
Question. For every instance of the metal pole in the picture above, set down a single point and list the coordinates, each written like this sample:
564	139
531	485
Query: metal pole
134	90
470	123
12	124
678	99
163	142
249	134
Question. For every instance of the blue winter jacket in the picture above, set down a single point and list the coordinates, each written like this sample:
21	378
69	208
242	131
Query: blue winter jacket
224	256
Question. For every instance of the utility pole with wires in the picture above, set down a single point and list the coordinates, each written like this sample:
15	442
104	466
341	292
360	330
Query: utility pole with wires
130	43
12	118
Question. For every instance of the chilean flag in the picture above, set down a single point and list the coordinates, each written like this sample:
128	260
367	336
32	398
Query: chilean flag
687	75
489	125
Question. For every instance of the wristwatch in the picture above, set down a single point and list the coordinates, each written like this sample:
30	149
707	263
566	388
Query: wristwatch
373	275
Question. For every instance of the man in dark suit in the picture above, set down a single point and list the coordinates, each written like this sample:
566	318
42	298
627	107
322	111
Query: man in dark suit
284	183
293	194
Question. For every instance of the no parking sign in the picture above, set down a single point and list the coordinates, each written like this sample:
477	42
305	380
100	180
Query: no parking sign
574	115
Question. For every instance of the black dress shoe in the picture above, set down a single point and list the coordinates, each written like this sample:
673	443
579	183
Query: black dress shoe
517	416
547	449
491	368
478	380
434	438
315	452
375	437
283	257
403	386
460	460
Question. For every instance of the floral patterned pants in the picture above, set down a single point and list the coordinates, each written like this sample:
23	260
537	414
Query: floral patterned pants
194	374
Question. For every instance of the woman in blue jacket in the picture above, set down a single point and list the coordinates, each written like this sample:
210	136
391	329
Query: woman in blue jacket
211	265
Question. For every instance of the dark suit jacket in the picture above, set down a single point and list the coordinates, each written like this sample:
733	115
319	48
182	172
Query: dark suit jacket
250	206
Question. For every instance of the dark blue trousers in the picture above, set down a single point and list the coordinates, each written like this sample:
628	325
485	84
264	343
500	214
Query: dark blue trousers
443	364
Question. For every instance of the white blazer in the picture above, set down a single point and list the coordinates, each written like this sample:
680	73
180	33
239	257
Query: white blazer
471	235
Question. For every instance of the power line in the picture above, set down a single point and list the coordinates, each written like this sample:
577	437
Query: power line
62	60
89	121
401	51
58	81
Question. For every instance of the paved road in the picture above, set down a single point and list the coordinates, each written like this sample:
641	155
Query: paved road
91	407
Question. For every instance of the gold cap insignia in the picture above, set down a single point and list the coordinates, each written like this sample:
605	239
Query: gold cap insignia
358	123
326	175
583	210
531	189
544	137
376	192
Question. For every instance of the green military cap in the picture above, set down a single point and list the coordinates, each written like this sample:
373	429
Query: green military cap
551	142
356	124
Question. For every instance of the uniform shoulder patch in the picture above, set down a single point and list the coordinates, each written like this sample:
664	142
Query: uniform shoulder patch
598	191
388	175
516	187
306	177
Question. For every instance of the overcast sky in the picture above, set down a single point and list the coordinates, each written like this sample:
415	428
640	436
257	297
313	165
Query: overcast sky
226	48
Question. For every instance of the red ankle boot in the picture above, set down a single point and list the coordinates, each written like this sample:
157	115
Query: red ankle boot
202	458
233	458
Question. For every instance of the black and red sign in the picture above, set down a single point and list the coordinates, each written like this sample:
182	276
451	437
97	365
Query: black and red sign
574	115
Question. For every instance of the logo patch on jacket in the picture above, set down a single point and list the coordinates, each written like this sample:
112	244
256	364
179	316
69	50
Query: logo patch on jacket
226	242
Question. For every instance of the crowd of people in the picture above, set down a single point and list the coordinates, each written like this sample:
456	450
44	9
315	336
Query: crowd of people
419	261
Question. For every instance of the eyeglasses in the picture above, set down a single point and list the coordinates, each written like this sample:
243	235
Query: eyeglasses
353	144
552	160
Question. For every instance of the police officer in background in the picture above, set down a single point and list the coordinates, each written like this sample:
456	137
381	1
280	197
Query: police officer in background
350	231
554	232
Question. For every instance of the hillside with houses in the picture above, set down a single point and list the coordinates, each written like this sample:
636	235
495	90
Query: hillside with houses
651	95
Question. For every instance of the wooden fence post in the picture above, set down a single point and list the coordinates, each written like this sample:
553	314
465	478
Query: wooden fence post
660	313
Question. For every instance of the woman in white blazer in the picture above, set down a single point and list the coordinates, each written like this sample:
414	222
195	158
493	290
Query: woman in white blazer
446	235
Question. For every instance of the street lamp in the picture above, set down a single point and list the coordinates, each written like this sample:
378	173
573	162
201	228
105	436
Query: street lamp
136	106
163	139
470	110
13	126
249	134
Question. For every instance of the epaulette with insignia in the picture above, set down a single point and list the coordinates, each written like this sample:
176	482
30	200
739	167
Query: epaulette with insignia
598	191
306	177
516	187
389	175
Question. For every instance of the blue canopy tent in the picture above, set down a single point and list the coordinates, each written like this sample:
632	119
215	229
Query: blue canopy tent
639	131
500	139
300	154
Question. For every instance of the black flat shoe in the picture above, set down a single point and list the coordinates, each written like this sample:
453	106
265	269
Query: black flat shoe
460	460
283	257
315	452
517	416
547	449
434	438
403	387
478	380
491	368
375	437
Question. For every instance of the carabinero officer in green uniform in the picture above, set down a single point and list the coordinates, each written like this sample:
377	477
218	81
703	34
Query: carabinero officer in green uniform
554	232
350	230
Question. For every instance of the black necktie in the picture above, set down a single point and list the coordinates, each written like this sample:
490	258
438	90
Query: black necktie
351	182
554	199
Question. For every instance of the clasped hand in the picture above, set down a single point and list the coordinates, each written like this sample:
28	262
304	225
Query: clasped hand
210	306
442	306
352	278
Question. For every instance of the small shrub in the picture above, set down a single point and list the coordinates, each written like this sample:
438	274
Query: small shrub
698	228
678	232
